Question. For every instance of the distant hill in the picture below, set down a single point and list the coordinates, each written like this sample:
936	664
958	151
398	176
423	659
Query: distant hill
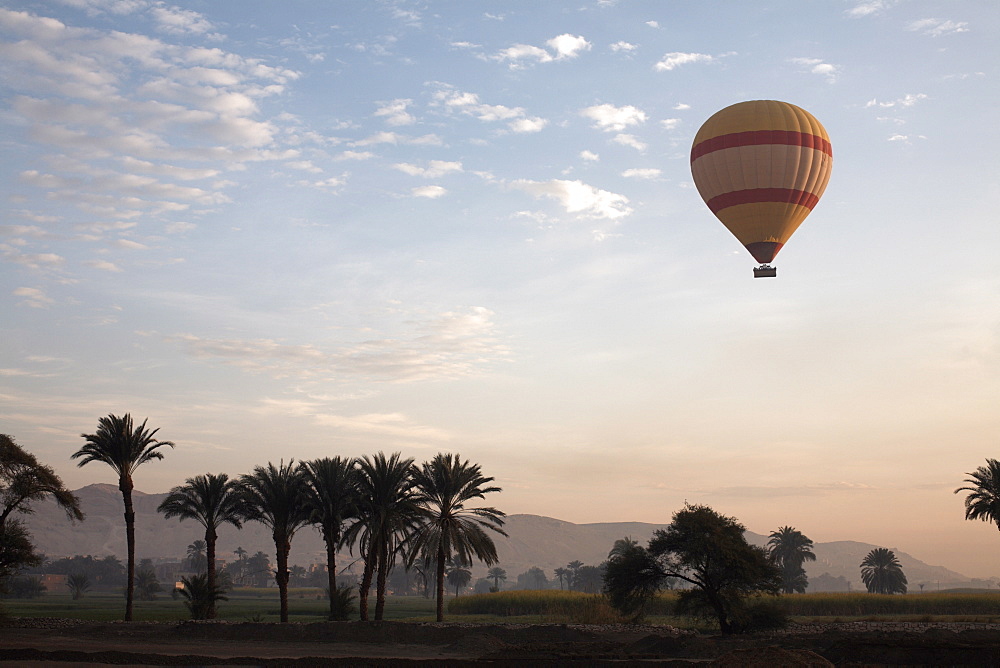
533	540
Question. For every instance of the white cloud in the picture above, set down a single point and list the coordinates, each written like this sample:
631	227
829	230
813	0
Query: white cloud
653	24
103	265
907	100
670	123
610	118
818	67
578	197
430	192
35	260
568	46
938	27
434	169
33	297
675	59
128	244
180	227
332	184
680	106
631	141
451	344
642	173
519	53
869	8
395	112
304	165
589	156
354	155
626	47
395	138
528	125
177	21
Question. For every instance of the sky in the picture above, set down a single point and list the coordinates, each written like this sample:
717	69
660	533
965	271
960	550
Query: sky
306	229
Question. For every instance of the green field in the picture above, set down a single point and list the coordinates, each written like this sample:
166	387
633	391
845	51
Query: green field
304	605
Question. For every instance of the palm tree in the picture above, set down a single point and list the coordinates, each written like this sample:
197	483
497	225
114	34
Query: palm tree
574	569
563	574
788	549
331	494
211	500
388	509
497	574
124	448
983	501
276	497
196	559
450	530
882	573
458	576
78	584
200	596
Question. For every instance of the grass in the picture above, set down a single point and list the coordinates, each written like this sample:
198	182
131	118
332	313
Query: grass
304	605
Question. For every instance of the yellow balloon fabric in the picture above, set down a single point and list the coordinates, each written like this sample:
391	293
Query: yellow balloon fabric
761	166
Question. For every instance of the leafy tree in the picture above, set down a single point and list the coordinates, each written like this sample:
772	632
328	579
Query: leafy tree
26	586
107	571
708	550
211	500
983	500
388	511
146	584
23	480
78	584
199	596
496	574
789	549
632	578
124	448
533	578
589	579
449	529
882	573
276	497
331	494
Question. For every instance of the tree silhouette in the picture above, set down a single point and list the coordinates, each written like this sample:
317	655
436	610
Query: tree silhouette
331	494
124	448
882	573
275	496
496	574
789	549
211	500
983	500
448	529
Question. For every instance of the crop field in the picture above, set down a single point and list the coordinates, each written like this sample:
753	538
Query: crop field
304	605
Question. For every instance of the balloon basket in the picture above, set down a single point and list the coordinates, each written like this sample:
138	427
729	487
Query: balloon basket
765	271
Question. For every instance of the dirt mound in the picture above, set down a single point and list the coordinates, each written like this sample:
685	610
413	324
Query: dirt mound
771	657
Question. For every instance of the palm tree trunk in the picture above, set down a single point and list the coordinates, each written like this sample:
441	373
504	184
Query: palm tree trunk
210	538
440	584
366	584
125	485
331	570
282	548
383	571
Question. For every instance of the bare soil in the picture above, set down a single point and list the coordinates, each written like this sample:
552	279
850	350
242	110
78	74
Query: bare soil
33	642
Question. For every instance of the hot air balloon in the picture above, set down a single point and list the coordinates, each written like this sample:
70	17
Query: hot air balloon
761	166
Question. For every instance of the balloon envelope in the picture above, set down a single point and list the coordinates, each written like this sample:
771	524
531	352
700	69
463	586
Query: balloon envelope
761	167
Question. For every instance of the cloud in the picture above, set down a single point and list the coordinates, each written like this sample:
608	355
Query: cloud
450	345
469	104
395	113
385	425
937	27
33	297
610	118
177	21
565	46
35	260
653	24
430	192
332	184
907	100
675	59
578	197
434	169
568	46
869	8
626	47
817	66
631	141
590	156
354	155
639	173
394	138
670	123
128	244
180	227
103	265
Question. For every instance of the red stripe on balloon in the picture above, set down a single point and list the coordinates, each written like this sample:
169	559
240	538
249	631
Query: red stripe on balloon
759	195
760	138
